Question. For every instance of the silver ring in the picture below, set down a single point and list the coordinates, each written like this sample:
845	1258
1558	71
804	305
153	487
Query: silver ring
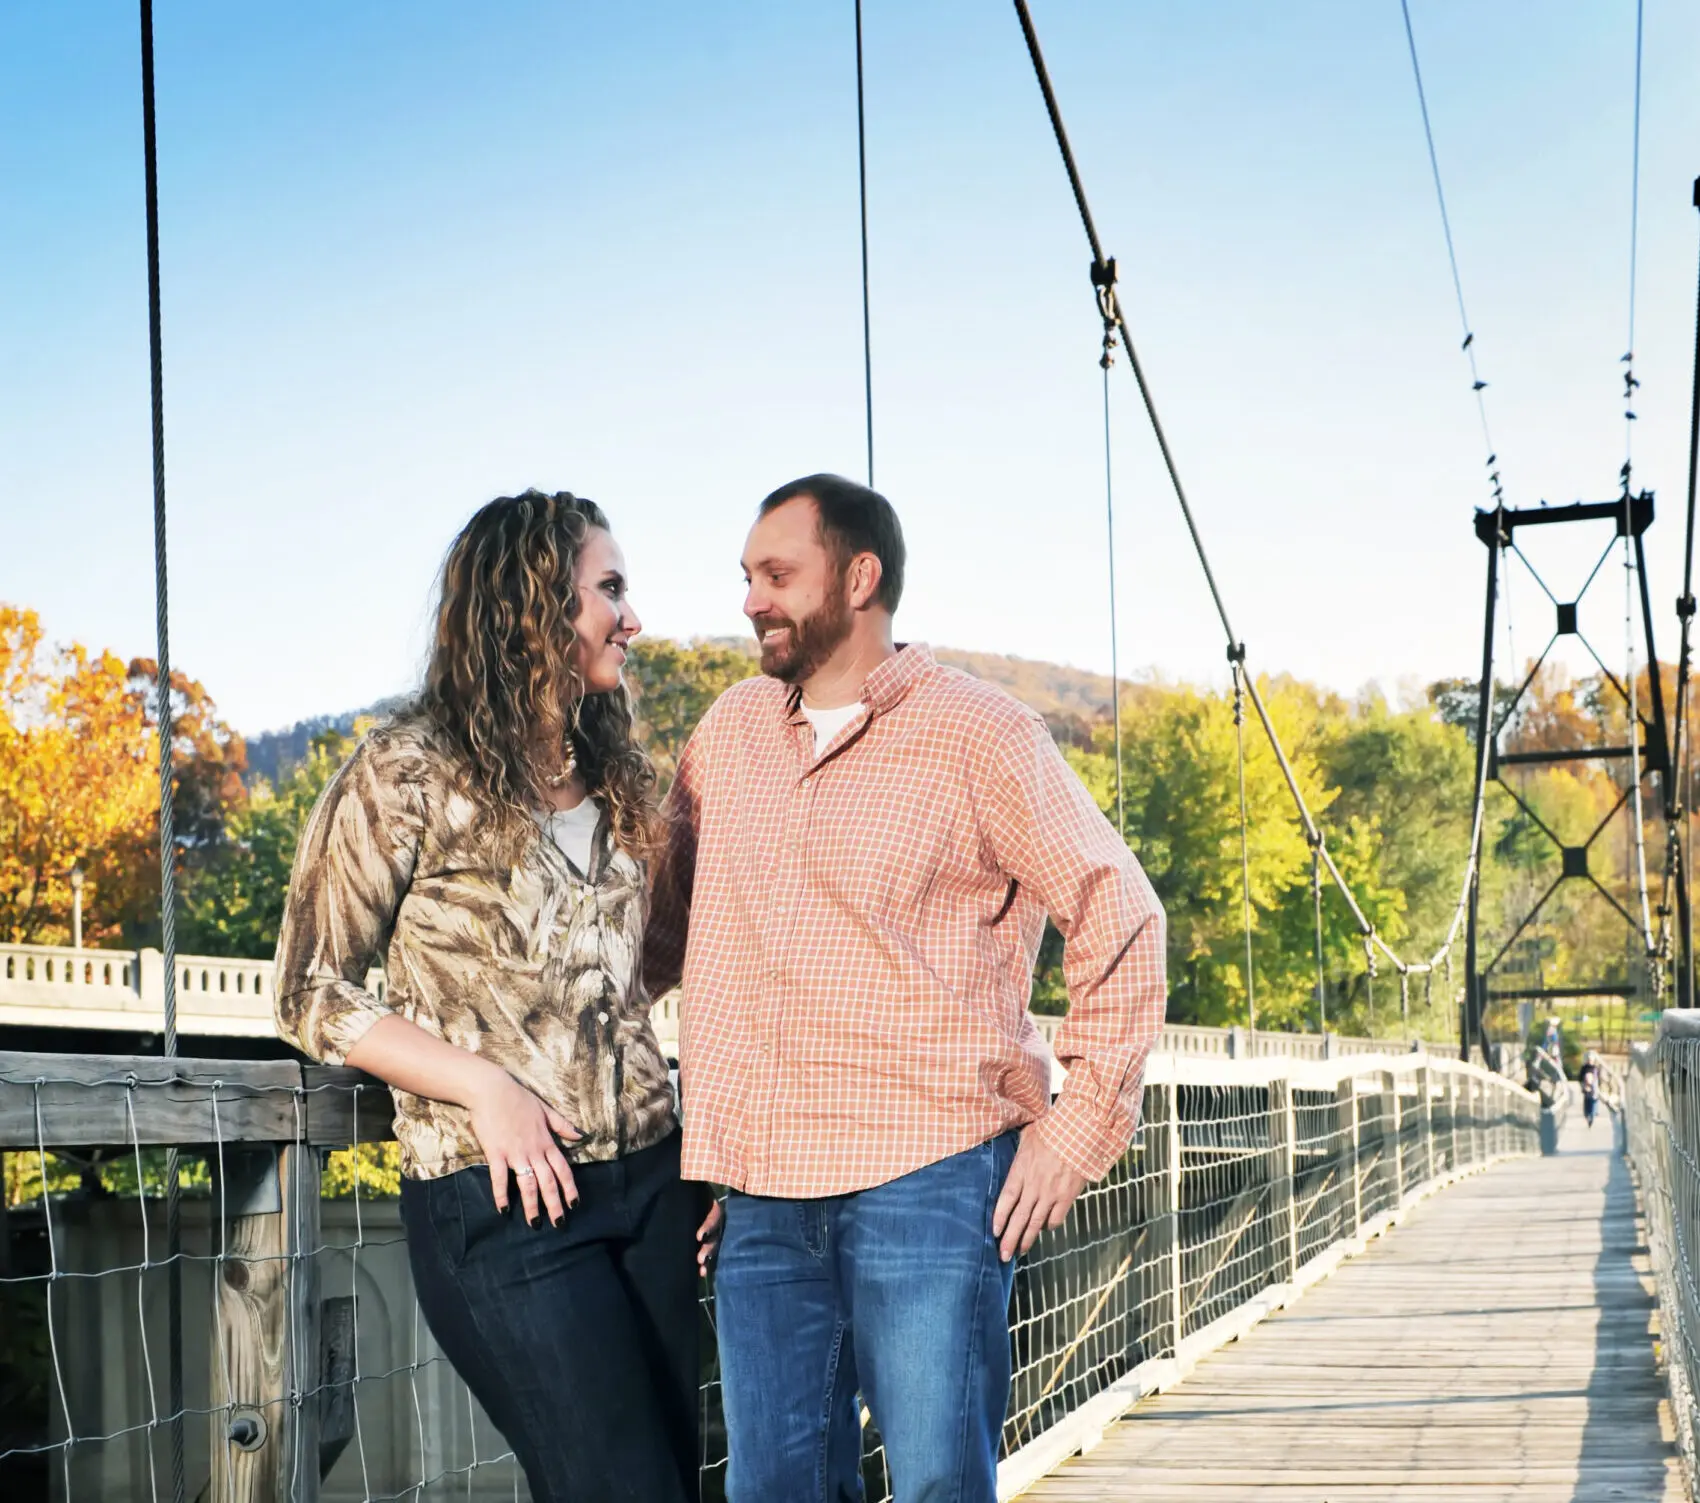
523	1170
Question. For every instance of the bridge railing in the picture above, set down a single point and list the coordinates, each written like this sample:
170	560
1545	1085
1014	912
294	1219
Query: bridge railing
1661	1108
308	1374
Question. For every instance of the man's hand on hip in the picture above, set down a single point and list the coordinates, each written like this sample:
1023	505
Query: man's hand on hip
1037	1194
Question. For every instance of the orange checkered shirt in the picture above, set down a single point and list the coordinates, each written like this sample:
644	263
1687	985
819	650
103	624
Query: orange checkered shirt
856	933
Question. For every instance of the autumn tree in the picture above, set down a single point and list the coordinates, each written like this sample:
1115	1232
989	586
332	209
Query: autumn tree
77	782
208	761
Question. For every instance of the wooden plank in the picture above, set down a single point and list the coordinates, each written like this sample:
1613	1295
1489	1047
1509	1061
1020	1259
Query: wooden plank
347	1106
113	1100
104	1100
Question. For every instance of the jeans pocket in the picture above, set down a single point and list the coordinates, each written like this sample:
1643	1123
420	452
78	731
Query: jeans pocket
464	1213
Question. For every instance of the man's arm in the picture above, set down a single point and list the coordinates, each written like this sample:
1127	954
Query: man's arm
1045	832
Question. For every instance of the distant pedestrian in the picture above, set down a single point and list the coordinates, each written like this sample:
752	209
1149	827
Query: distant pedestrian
1589	1080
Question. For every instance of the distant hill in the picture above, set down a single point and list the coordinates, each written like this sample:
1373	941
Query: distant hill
1053	689
272	753
1070	699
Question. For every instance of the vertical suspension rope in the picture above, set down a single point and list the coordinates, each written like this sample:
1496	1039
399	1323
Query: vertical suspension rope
1638	845
867	319
1316	898
1629	381
167	736
1106	360
1245	849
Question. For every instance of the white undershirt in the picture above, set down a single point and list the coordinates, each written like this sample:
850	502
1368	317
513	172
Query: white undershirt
828	723
573	830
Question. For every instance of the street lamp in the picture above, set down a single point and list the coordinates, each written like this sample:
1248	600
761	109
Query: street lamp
76	907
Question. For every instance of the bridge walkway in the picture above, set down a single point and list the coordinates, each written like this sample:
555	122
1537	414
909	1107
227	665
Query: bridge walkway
1498	1344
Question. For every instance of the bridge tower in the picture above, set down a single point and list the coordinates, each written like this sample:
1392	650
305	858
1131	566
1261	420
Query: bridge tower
1648	753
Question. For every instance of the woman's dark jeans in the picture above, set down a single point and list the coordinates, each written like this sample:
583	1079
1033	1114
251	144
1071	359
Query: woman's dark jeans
580	1341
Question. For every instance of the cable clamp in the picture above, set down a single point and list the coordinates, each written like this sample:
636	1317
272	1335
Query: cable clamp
1236	652
1685	607
1104	281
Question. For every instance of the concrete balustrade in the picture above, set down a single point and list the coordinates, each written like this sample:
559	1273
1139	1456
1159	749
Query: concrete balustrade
55	986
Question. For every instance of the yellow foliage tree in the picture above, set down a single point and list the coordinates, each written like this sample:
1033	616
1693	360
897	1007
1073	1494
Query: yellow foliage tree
77	779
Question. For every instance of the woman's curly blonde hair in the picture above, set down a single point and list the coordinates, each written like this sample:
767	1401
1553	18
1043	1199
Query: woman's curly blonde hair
501	684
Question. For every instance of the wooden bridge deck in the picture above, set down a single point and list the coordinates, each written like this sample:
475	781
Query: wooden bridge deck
1497	1344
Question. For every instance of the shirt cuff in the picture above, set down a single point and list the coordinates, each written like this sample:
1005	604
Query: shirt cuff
1084	1136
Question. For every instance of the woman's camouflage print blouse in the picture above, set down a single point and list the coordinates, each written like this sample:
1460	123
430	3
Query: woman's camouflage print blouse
531	966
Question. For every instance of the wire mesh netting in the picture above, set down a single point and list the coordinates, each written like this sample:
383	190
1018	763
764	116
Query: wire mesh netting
303	1355
1661	1107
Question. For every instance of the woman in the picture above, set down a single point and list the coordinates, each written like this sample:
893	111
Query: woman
488	844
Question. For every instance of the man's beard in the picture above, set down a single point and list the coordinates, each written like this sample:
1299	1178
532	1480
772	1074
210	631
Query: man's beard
812	641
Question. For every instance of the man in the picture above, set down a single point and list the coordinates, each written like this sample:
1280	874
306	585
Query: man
863	846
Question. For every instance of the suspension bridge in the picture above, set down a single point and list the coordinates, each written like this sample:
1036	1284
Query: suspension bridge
1325	1268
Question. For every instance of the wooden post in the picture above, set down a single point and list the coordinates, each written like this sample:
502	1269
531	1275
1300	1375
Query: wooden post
1163	1134
264	1444
1346	1133
1284	1218
1391	1167
1425	1104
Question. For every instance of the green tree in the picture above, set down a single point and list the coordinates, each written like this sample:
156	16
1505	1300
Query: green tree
234	905
674	683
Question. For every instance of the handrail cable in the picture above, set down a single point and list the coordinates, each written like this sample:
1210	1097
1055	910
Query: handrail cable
862	177
1322	858
167	737
1477	385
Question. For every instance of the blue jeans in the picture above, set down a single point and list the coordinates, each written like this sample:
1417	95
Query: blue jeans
580	1341
896	1293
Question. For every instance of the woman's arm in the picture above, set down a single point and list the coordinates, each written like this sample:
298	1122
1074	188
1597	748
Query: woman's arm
515	1129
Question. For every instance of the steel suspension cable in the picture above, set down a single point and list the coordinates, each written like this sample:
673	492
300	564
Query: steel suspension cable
167	737
1103	278
1477	385
862	179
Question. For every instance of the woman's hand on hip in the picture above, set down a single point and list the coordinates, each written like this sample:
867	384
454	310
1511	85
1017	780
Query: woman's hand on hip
518	1134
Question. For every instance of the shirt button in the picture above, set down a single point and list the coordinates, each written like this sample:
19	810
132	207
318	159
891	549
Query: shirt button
602	1017
767	1048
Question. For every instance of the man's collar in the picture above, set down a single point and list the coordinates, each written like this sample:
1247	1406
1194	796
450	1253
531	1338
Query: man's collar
885	686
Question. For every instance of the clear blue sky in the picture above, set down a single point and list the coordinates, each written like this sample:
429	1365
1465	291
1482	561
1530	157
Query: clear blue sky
415	256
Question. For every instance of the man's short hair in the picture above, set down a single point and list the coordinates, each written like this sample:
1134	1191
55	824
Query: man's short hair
853	519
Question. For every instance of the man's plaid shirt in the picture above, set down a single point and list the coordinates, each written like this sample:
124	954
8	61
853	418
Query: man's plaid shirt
857	930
